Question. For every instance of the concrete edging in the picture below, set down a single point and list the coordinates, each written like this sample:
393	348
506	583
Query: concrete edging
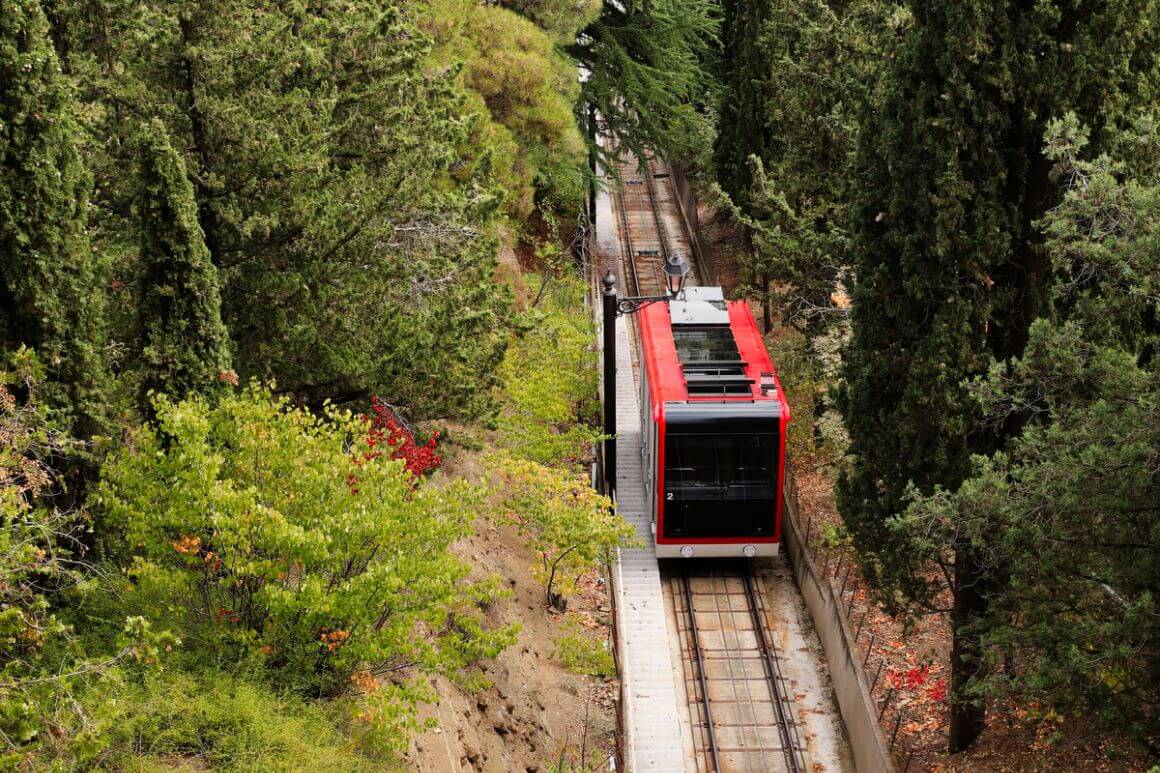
851	688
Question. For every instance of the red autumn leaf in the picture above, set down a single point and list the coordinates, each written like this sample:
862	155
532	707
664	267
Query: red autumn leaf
386	427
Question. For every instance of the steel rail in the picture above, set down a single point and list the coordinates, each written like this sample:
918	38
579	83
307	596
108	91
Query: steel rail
734	658
699	656
630	253
662	234
652	195
785	723
646	201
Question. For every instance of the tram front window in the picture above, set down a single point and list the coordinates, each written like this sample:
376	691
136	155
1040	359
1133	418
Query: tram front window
720	485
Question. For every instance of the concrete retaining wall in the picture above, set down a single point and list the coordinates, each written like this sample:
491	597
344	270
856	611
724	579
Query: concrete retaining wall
852	689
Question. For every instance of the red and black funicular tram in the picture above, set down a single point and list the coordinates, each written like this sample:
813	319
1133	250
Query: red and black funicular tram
713	422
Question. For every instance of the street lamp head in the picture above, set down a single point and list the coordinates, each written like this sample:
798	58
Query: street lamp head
609	282
676	269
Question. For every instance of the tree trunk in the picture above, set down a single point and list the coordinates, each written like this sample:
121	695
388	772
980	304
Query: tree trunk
968	715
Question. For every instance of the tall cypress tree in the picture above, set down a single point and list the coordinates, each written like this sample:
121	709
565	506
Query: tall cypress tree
796	74
51	283
949	266
745	74
1078	489
185	344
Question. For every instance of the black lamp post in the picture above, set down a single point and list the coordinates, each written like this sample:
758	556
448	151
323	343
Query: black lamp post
676	269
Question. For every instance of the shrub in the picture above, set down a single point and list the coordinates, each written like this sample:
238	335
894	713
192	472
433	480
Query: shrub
33	548
388	429
806	367
580	653
549	377
526	89
41	555
214	720
264	531
571	525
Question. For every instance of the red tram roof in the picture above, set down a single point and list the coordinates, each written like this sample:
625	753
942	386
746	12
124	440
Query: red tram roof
666	377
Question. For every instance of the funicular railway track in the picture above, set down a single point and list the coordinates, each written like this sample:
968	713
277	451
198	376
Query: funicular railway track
740	712
647	243
739	709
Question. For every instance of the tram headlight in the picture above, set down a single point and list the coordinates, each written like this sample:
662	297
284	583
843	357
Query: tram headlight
686	551
749	550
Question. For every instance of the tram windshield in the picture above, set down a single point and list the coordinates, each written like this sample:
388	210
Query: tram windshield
717	461
721	485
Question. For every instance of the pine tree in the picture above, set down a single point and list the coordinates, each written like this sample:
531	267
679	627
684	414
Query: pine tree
746	71
949	264
1079	488
518	79
562	18
51	283
648	74
345	198
185	345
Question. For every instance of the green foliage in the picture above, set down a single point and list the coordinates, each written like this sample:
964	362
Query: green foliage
797	77
316	191
350	214
564	19
1078	488
951	179
1103	236
41	556
185	346
804	387
835	537
797	74
580	653
806	368
263	531
530	89
214	720
568	523
549	378
647	73
527	88
34	548
947	269
51	283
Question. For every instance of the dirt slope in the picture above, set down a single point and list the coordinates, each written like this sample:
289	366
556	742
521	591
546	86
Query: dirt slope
536	712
